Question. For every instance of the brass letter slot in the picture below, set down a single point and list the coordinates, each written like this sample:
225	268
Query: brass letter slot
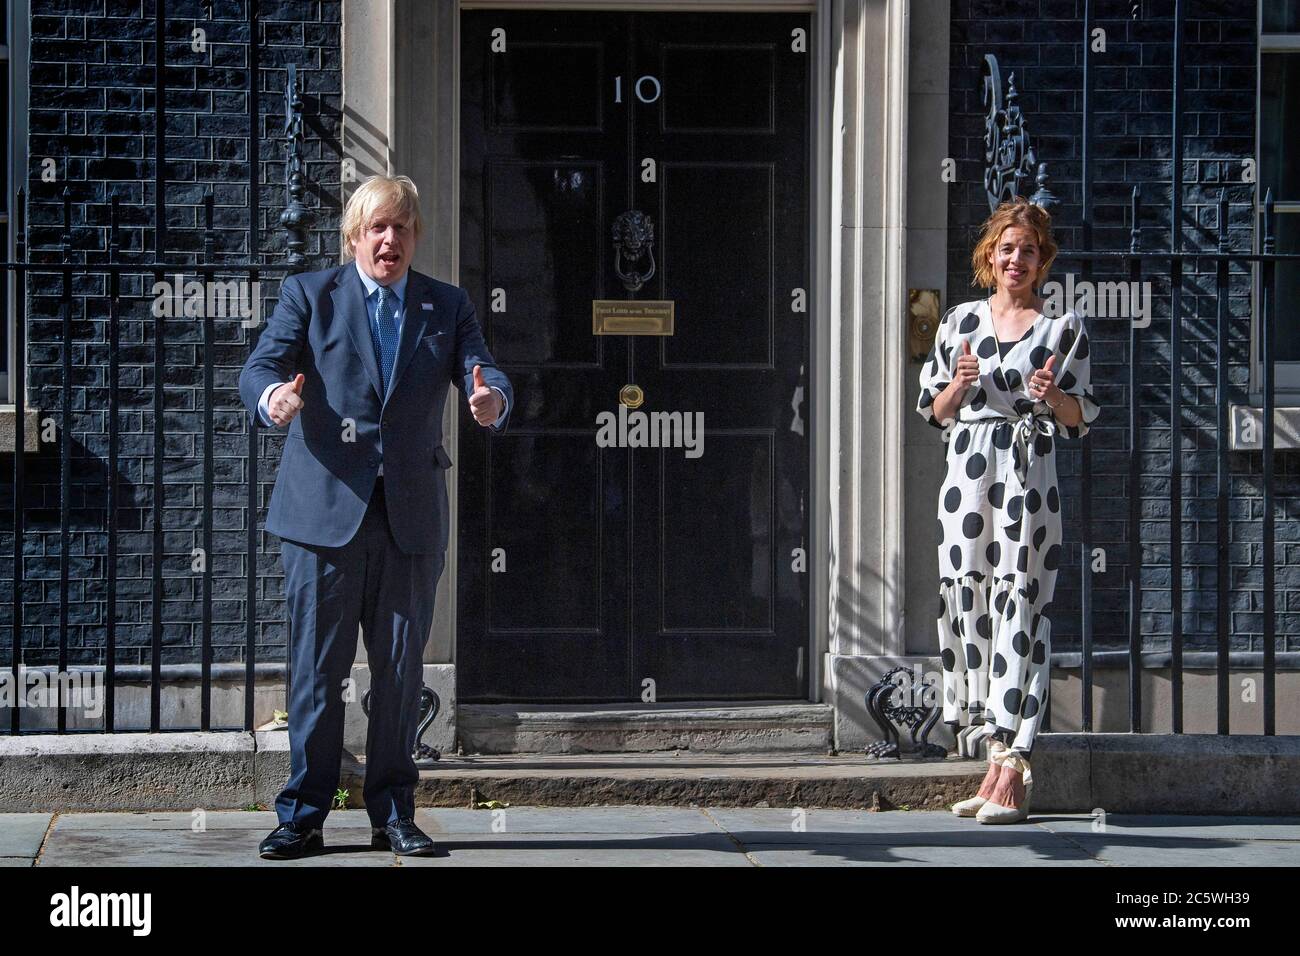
630	317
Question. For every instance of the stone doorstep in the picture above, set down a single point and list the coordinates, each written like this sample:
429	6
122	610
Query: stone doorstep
718	727
687	779
1115	773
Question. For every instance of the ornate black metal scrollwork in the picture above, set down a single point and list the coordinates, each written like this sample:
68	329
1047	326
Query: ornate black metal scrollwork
430	704
901	703
1009	158
634	239
296	218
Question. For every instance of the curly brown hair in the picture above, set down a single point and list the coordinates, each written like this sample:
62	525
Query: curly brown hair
1017	212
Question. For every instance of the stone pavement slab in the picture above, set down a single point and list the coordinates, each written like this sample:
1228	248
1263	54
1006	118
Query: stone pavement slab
1190	854
20	837
1182	841
921	853
649	820
584	849
1170	826
213	848
227	838
583	836
663	836
263	820
856	838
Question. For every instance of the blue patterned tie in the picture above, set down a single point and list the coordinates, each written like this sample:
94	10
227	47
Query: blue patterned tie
386	342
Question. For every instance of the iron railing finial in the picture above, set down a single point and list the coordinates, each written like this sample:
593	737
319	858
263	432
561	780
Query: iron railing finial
296	218
1009	158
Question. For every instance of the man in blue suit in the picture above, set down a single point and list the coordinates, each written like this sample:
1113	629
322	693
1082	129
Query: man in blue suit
355	361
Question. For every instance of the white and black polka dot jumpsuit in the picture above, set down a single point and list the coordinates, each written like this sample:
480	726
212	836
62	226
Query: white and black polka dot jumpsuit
1000	516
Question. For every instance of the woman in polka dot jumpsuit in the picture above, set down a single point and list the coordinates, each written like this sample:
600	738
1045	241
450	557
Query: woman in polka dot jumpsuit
1002	380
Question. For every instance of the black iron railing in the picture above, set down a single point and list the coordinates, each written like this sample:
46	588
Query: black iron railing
1137	263
296	220
113	272
1140	264
1012	164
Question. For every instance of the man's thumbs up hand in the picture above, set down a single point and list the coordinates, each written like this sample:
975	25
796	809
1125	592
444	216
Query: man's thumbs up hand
286	401
484	403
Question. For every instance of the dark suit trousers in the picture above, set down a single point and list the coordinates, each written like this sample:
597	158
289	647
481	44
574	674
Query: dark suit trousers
329	592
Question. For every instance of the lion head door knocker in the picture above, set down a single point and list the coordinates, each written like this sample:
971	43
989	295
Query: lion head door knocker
901	699
430	704
634	240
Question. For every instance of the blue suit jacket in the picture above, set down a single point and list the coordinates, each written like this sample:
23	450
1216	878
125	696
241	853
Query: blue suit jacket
333	448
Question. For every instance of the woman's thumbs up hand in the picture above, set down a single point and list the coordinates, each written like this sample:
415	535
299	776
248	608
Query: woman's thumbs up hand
967	372
1043	379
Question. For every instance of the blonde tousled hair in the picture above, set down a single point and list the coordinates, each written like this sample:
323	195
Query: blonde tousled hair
1017	212
396	193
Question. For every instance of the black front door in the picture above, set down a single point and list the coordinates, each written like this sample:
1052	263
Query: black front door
620	563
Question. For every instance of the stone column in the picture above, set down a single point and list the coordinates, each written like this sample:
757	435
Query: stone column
868	352
400	116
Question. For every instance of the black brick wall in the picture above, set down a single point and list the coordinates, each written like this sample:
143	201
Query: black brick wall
92	110
1041	41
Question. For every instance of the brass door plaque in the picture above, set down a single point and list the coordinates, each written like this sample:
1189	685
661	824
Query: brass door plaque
631	317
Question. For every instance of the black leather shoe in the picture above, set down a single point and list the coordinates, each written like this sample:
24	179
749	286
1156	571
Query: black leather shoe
289	841
403	837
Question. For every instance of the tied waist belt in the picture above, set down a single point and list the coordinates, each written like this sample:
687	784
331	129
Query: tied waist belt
1024	430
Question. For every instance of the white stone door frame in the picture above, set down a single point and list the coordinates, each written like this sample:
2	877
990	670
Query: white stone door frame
867	362
401	113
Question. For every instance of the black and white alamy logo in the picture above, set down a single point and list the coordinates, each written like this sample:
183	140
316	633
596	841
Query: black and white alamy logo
75	908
